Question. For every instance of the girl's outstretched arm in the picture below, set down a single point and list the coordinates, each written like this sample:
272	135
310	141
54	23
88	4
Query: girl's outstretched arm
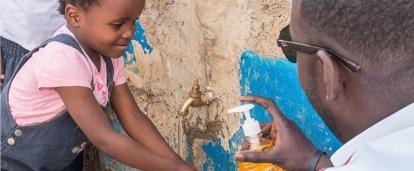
136	124
86	112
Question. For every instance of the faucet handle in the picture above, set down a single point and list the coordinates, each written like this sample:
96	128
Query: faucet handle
196	84
195	89
196	81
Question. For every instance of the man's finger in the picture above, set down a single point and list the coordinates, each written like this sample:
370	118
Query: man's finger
256	157
265	125
268	105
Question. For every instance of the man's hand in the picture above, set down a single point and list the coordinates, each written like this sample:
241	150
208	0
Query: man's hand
292	150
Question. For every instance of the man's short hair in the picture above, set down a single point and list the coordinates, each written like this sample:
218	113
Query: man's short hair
380	31
379	35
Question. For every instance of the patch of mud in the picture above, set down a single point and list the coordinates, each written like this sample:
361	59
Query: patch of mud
211	130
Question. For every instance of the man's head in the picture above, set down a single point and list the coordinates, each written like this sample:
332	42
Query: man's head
378	35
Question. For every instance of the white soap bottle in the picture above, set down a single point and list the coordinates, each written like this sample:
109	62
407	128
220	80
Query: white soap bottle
251	130
251	127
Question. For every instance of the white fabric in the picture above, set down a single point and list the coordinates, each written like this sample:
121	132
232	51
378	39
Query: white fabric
29	22
387	145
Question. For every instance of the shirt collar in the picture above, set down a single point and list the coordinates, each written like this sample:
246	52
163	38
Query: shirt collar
399	120
63	30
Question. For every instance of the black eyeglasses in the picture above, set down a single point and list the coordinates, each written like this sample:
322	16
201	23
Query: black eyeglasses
290	48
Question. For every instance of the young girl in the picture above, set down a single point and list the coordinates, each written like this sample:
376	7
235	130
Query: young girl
54	101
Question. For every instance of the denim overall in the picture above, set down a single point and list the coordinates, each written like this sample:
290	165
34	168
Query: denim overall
52	145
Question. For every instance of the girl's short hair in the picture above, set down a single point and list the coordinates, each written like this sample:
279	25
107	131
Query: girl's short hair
85	4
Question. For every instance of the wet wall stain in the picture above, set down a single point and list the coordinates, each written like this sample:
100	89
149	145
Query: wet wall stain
277	79
211	130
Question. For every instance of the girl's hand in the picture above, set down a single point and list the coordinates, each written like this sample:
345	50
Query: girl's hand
268	130
89	116
292	150
268	133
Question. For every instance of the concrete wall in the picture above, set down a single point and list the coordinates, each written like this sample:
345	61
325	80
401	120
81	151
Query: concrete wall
219	42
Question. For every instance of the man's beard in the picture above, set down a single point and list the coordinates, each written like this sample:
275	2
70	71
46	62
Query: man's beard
321	108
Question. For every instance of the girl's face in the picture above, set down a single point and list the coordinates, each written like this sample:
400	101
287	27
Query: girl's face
107	27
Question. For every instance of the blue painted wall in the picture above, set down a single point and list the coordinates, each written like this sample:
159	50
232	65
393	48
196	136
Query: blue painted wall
276	79
139	36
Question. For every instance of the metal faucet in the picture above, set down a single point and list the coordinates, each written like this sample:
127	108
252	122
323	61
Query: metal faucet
197	98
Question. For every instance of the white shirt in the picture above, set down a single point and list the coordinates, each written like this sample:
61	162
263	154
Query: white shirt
387	145
29	22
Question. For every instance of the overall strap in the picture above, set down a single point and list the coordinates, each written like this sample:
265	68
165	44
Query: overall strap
109	75
63	38
67	40
70	41
7	121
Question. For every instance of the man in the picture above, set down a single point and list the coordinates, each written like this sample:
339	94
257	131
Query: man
361	82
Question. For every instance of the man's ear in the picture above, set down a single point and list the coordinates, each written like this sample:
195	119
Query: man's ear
331	75
72	15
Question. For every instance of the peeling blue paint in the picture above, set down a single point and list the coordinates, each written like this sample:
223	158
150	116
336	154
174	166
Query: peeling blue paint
139	36
277	79
218	158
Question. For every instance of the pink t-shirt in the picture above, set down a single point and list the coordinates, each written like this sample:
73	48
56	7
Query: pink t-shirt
33	98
